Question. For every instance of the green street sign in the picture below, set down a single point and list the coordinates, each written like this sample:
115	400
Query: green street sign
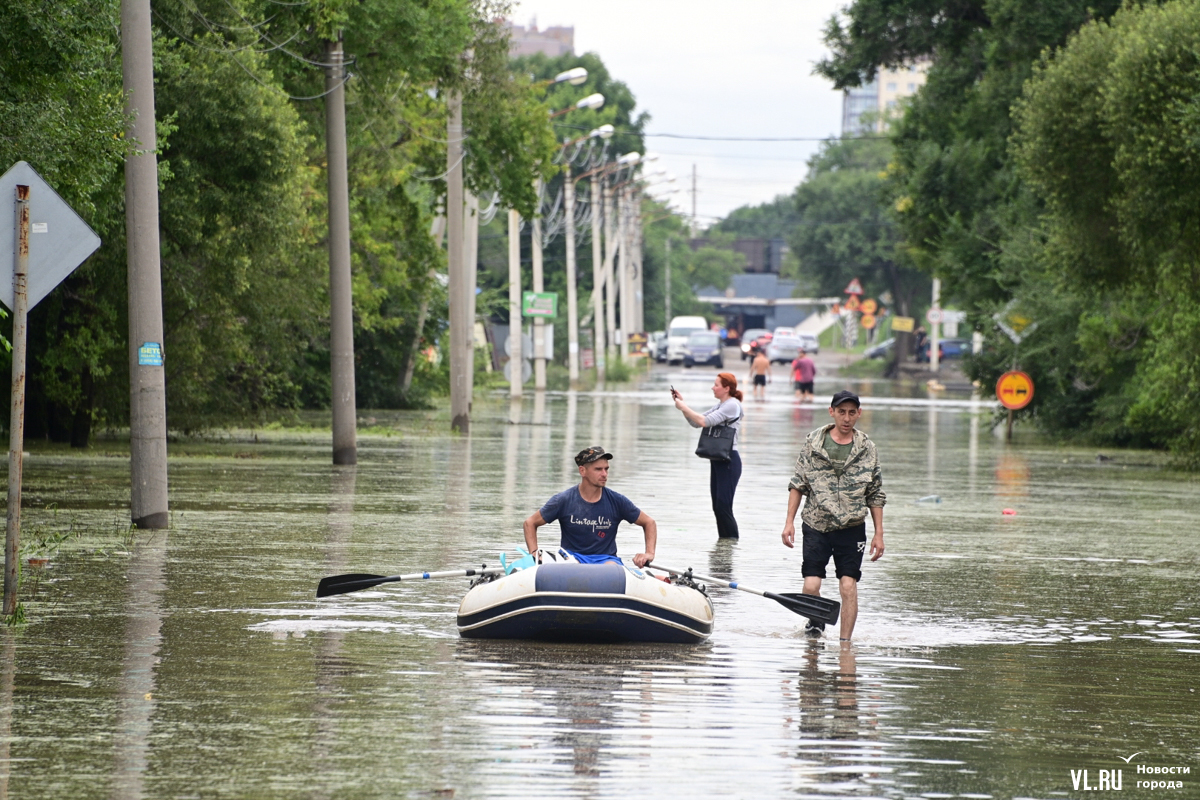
539	304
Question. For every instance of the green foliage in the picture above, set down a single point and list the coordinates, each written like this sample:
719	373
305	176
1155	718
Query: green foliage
1109	140
764	221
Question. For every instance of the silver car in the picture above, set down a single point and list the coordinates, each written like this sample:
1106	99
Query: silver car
784	349
809	342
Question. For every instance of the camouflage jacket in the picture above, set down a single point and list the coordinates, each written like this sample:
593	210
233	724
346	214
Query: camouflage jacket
838	496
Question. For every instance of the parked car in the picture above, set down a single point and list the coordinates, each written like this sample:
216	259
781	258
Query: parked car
677	335
656	347
809	342
947	349
783	332
703	347
751	337
784	349
881	350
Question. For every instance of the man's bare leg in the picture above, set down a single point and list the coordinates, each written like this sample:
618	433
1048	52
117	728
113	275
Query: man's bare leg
849	588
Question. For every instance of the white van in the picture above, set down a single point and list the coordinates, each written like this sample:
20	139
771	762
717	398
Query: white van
677	335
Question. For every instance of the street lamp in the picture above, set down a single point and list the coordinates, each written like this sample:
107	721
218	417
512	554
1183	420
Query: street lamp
575	77
592	101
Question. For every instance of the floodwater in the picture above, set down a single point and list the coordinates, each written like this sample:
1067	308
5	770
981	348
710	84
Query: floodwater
996	655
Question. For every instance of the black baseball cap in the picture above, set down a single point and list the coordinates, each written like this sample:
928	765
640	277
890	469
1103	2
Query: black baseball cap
844	396
594	453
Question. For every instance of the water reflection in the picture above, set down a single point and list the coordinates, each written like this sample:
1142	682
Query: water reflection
136	696
8	671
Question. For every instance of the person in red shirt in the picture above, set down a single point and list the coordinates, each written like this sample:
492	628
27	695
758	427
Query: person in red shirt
803	372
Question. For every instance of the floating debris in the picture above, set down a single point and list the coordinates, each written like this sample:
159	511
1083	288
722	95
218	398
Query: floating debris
930	498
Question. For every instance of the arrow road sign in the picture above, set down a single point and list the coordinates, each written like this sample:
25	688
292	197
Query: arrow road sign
59	240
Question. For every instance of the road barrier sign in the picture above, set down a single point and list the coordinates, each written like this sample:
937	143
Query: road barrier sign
1014	390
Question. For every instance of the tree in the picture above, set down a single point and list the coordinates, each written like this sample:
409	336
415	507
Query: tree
1106	139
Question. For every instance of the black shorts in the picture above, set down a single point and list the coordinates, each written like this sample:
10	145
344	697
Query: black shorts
760	380
846	546
803	386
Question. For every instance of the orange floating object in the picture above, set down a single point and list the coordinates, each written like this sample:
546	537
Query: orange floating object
1009	512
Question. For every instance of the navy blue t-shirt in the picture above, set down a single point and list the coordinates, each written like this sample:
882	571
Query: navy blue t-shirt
590	528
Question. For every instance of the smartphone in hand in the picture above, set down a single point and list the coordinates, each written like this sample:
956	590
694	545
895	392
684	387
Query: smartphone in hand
674	394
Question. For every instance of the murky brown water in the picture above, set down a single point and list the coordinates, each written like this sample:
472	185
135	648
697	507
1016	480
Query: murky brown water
994	654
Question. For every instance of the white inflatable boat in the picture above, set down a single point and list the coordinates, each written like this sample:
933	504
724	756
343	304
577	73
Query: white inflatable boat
586	603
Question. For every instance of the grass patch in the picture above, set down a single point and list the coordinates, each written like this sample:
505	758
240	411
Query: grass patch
865	368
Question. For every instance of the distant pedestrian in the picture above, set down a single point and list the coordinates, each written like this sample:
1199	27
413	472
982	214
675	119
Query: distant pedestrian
803	372
723	476
838	471
760	374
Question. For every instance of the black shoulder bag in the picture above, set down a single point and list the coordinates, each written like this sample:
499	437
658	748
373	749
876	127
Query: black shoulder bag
716	443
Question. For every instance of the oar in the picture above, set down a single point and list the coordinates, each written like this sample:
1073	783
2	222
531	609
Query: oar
352	582
816	608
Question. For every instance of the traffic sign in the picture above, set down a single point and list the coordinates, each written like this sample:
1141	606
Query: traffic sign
59	239
852	304
1014	324
869	306
902	324
934	315
1014	390
854	288
867	321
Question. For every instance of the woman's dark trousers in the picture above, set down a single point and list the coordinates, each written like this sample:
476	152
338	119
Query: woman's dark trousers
722	483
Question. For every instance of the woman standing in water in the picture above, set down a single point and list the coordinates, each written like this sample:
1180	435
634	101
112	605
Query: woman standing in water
723	475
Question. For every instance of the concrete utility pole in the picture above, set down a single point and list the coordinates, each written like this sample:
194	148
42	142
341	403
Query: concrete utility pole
516	333
470	267
623	269
610	253
935	327
572	298
341	299
695	226
667	283
147	382
539	324
460	304
598	338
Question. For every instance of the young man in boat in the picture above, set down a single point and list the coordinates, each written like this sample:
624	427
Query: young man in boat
838	471
589	514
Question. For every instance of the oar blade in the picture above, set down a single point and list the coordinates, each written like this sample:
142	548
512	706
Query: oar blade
343	584
818	609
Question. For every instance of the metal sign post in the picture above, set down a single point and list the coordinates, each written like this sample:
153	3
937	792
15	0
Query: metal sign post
62	242
16	431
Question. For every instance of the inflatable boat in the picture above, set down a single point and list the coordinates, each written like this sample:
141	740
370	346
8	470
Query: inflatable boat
568	601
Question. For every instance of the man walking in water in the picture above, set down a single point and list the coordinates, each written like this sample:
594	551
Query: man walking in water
588	515
760	373
838	471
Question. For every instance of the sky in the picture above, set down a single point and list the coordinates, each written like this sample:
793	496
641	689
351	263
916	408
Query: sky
708	68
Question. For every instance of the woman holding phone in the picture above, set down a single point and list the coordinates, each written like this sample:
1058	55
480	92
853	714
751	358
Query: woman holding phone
723	475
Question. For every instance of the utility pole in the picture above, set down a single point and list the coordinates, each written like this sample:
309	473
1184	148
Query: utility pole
935	327
341	299
460	304
695	227
16	429
610	252
623	269
147	382
516	364
572	299
539	324
598	337
667	283
470	273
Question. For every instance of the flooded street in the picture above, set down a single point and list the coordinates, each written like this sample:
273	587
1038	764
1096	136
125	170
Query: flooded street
995	653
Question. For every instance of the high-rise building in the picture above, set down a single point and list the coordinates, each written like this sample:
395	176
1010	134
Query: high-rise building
881	96
555	41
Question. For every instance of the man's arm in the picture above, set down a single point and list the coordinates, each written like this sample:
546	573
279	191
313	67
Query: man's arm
531	525
650	528
877	539
789	524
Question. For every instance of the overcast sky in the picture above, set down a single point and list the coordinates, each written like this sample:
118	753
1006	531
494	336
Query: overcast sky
708	68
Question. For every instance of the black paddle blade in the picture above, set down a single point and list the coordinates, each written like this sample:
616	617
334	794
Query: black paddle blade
342	584
818	609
